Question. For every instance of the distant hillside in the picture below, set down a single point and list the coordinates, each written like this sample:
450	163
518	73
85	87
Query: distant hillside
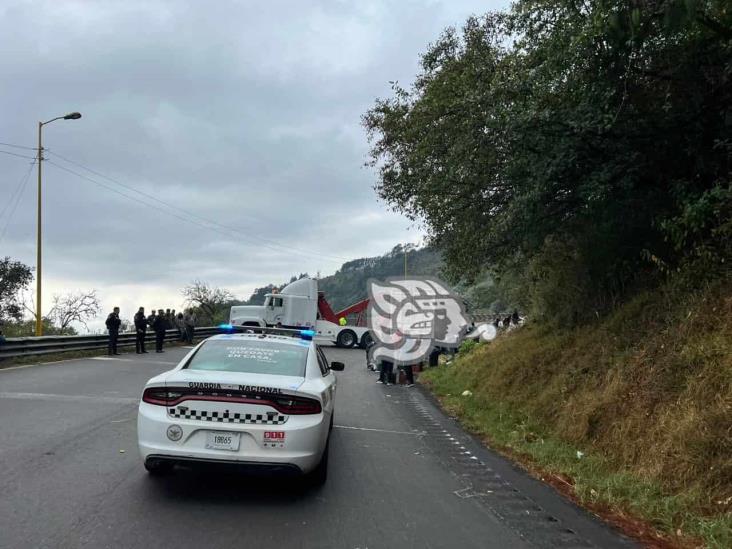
348	284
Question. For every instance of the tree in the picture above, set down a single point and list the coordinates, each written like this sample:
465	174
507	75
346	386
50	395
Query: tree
597	129
14	278
74	307
210	301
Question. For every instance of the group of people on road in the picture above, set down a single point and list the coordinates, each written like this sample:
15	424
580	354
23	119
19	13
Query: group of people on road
160	322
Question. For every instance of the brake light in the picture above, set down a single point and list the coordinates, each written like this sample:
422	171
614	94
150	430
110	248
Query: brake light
297	406
162	396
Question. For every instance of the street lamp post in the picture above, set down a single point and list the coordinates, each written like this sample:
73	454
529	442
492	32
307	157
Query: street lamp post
39	317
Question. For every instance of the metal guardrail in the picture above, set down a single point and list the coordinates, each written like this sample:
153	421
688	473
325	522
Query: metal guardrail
29	346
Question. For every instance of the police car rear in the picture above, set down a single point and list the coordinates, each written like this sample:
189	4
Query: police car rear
264	402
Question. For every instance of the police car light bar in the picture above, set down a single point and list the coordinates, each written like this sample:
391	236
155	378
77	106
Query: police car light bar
305	333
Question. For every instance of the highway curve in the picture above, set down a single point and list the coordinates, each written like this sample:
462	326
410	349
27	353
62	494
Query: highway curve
402	475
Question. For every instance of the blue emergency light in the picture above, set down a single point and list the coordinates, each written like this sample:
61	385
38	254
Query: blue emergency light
307	335
226	328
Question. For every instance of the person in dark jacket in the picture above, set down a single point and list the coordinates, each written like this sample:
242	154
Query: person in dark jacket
159	326
140	329
387	367
151	317
113	323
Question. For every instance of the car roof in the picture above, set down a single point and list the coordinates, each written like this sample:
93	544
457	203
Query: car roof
267	338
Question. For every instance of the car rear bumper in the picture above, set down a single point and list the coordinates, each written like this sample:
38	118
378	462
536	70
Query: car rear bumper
251	467
305	439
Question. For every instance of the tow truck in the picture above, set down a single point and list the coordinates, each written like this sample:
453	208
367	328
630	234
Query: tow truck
300	305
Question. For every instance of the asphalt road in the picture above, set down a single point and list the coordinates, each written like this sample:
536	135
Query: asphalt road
402	475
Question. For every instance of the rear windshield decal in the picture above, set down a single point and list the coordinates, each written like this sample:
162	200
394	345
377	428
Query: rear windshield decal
255	353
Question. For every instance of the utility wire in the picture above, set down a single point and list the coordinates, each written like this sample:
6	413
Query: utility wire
18	155
19	146
227	232
200	218
19	190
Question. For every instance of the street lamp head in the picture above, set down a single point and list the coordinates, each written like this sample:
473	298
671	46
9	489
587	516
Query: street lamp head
72	116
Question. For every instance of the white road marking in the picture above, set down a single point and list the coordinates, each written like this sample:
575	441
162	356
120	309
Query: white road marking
420	433
70	398
468	492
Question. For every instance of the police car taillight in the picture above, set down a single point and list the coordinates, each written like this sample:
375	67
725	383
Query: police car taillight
298	405
161	396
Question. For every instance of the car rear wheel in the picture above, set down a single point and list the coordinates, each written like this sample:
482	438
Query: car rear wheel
347	339
158	467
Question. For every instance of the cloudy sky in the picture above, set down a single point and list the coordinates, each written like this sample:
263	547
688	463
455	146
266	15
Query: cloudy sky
207	116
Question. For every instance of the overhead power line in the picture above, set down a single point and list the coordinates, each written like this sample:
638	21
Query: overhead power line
15	198
18	146
210	224
213	226
18	155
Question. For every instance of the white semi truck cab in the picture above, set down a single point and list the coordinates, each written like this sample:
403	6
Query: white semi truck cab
301	305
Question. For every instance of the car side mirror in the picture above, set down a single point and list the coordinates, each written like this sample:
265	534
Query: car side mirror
337	366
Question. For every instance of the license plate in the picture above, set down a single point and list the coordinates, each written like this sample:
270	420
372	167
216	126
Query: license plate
219	440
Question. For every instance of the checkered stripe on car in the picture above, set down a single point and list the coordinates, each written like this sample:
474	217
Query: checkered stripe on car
227	417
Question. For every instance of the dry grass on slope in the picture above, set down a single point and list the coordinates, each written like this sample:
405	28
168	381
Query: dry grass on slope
646	394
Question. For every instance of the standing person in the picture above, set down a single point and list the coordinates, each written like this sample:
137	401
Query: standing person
151	317
140	329
387	367
408	375
168	320
174	321
515	317
190	322
181	327
159	327
113	323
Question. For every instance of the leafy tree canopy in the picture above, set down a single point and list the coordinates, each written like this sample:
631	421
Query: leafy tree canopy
14	278
589	141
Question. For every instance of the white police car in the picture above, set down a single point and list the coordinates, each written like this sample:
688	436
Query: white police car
261	401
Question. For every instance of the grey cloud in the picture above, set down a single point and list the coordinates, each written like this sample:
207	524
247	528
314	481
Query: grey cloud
246	113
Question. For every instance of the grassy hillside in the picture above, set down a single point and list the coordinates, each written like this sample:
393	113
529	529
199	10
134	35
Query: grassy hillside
645	395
